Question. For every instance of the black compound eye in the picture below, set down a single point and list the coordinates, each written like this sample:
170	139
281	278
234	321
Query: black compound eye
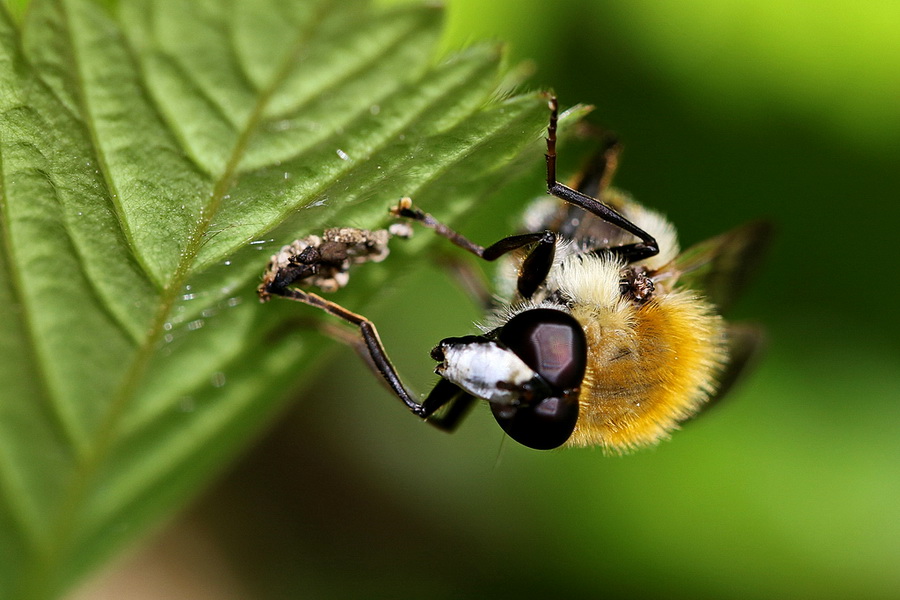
543	425
551	342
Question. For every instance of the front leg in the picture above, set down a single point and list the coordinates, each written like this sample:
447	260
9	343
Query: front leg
377	356
324	261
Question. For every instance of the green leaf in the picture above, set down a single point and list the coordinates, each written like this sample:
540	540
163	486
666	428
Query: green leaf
151	162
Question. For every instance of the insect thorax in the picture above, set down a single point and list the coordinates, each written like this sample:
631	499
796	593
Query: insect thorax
651	364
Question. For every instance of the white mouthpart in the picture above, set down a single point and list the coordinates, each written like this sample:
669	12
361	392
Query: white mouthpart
485	370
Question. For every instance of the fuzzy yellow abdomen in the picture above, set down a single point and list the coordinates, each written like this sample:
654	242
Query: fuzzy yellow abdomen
649	368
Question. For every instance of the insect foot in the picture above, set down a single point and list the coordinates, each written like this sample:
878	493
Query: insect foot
324	261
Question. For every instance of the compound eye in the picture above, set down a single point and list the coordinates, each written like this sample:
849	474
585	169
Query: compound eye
543	425
551	342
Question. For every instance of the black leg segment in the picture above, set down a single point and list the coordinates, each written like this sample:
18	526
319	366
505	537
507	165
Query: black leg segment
535	267
457	400
372	343
631	252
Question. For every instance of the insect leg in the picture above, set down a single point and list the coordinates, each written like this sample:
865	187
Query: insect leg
373	346
535	267
631	252
406	209
459	401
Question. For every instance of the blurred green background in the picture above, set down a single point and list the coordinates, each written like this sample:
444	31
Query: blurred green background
728	111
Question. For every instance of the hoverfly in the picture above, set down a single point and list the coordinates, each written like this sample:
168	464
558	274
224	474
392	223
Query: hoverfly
608	336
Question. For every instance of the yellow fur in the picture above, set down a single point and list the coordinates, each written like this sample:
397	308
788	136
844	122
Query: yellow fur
649	368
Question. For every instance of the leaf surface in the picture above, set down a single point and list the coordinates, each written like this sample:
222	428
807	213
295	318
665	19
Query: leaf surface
151	162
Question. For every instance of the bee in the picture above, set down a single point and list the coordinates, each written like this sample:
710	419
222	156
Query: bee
608	335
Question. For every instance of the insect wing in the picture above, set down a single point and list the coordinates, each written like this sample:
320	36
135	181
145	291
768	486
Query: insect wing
746	344
593	180
597	174
721	266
